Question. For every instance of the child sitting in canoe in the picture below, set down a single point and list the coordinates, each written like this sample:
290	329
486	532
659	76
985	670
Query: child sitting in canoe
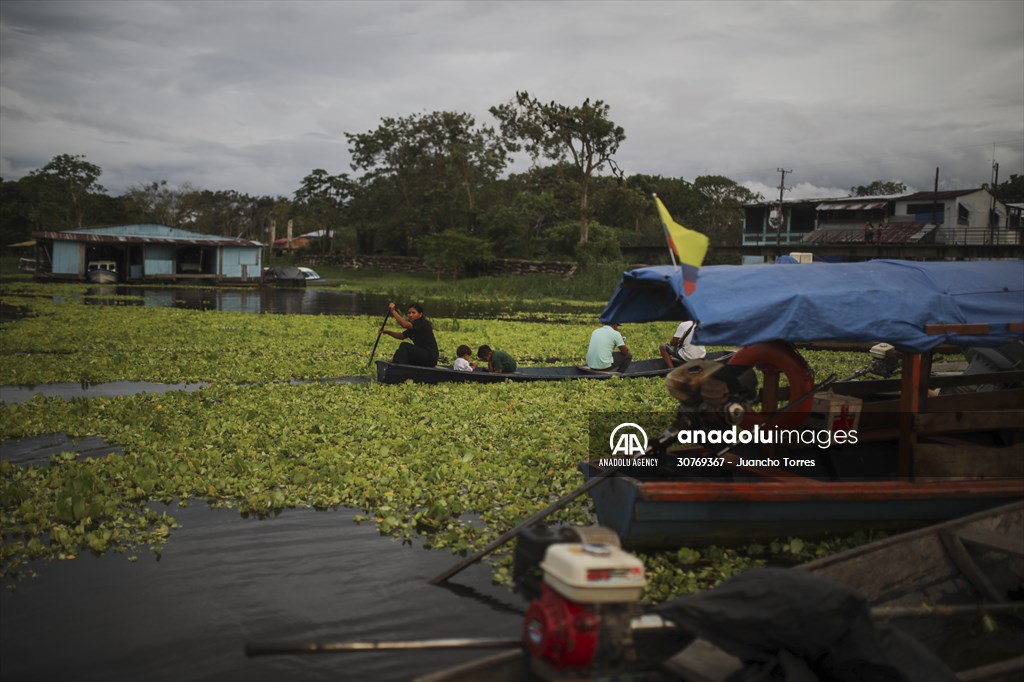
497	360
462	362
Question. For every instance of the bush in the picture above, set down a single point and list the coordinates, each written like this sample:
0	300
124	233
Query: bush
563	240
455	254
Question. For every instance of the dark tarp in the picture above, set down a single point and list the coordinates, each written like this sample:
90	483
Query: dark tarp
285	274
879	300
788	624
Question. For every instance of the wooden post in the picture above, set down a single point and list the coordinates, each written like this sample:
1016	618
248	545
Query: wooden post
913	397
770	397
273	236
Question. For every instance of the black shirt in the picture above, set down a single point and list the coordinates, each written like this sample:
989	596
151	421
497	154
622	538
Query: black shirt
422	335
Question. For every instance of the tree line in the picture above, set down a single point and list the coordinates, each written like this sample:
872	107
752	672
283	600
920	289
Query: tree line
433	185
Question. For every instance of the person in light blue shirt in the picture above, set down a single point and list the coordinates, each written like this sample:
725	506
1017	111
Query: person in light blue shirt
608	349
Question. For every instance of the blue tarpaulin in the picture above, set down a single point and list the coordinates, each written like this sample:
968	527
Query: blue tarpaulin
879	300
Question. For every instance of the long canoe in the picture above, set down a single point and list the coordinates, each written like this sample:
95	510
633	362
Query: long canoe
393	373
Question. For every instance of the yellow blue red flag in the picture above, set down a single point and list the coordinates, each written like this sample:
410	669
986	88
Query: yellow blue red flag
689	245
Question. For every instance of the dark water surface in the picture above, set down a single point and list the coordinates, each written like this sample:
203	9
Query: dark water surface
299	301
224	581
69	390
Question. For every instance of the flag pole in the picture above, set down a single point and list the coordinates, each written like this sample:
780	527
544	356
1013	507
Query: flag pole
668	237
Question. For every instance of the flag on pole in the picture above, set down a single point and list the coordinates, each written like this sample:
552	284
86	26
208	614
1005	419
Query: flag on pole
689	245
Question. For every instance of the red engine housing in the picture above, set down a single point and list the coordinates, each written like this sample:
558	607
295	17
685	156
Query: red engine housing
561	632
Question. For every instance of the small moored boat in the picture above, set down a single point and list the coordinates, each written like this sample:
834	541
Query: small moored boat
102	271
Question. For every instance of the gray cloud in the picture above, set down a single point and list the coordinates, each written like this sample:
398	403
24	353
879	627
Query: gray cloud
254	95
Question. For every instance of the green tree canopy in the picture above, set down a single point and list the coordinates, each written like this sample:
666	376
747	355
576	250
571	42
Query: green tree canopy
158	202
436	165
1010	191
583	135
878	188
321	201
63	189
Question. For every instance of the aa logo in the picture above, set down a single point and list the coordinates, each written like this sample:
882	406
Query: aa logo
629	440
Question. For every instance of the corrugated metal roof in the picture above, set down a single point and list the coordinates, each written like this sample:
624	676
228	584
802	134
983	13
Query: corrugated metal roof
142	234
853	206
943	194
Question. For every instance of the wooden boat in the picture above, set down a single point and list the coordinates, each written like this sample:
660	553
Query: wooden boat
284	276
937	586
965	561
393	373
929	449
933	583
102	271
652	512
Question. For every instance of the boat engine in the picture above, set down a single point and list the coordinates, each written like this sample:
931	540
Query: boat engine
711	394
581	624
885	360
585	613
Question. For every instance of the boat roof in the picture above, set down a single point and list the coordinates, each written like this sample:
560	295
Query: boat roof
900	302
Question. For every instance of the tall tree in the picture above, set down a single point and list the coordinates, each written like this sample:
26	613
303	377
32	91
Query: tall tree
158	202
583	134
1010	191
320	201
720	215
436	164
64	187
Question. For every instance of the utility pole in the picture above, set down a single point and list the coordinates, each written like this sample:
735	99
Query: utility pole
776	218
782	184
993	221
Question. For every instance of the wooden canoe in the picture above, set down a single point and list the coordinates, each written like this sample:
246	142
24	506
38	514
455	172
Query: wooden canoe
393	373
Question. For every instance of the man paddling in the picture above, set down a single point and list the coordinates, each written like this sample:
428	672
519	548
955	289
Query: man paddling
422	352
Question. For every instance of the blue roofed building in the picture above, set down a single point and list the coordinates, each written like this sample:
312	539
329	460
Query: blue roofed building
147	253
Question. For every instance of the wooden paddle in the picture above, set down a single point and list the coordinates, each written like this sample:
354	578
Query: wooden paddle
387	316
265	648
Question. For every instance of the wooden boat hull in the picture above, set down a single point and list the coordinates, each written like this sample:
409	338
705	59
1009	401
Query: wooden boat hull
102	277
927	565
962	562
392	373
682	513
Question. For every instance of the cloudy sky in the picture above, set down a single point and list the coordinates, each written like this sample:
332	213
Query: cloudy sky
252	96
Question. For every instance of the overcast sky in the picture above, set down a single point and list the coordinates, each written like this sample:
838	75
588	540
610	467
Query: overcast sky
252	96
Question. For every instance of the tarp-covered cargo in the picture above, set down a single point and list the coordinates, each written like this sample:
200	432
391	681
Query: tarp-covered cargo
899	302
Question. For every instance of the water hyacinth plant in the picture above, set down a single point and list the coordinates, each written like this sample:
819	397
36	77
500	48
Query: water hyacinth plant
452	465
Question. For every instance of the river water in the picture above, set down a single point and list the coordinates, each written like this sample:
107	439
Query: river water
224	581
310	300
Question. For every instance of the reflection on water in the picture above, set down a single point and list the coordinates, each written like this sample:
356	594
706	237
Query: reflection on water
70	391
224	581
275	300
290	301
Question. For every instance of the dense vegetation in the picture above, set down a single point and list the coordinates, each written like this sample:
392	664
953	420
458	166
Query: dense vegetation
454	465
